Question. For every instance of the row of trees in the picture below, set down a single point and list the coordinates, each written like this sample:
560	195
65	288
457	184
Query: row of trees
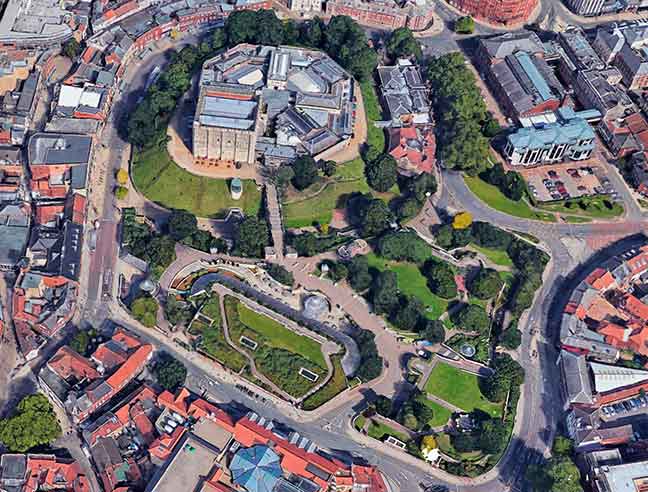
371	363
560	474
460	113
510	183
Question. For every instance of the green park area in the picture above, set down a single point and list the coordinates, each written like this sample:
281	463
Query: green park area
280	353
595	207
494	198
460	389
156	176
381	431
334	387
208	327
497	256
411	282
441	414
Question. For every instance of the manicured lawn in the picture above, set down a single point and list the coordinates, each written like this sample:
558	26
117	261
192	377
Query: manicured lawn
597	207
211	309
380	431
493	197
441	414
460	389
319	208
334	387
280	337
497	256
161	180
360	422
348	178
412	282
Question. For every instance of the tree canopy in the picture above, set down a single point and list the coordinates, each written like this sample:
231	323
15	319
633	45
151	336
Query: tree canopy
33	424
144	310
170	372
375	216
434	331
459	110
472	317
384	292
251	237
510	183
358	273
382	173
508	373
71	49
403	246
486	284
403	44
182	224
440	278
464	25
305	172
346	42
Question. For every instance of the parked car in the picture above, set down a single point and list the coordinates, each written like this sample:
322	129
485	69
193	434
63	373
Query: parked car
553	174
573	173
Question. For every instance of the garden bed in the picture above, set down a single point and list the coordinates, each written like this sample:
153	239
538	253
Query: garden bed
336	385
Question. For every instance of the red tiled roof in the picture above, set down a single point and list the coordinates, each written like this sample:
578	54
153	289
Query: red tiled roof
109	358
77	205
163	446
201	408
635	307
129	369
48	213
600	279
125	338
46	472
369	478
66	363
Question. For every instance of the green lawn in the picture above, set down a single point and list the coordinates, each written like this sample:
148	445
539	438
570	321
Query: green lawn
330	390
161	180
375	136
493	197
497	256
460	389
380	431
412	282
443	441
441	414
281	337
211	309
574	219
596	207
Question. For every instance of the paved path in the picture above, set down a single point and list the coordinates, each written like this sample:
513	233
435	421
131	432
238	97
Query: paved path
443	403
274	217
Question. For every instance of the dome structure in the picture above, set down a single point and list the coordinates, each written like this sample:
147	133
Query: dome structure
148	285
315	306
257	469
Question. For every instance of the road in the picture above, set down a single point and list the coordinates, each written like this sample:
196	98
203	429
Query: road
539	408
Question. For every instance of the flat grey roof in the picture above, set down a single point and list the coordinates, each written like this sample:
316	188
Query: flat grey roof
59	148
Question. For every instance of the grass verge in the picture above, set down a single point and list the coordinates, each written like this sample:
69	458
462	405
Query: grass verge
336	385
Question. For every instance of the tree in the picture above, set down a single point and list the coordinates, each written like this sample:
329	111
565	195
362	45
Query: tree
491	127
409	314
71	49
434	331
328	168
218	39
403	246
444	236
359	276
370	362
493	436
305	169
464	442
375	217
462	220
418	187
559	475
408	208
384	292
204	241
80	342
121	192
177	312
382	173
250	237
312	32
290	32
486	284
122	177
402	44
490	236
33	424
346	43
157	250
280	274
472	317
510	183
182	224
562	446
170	373
440	278
507	374
464	25
511	338
383	406
144	310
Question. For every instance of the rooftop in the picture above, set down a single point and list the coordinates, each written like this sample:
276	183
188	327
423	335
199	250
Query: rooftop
59	148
